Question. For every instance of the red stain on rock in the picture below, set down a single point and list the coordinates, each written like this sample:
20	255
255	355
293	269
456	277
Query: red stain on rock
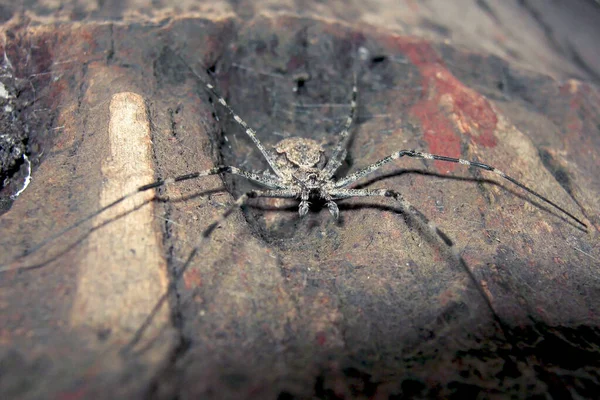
438	133
448	108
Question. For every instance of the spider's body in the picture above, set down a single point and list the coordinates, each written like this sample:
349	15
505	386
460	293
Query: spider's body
300	162
299	154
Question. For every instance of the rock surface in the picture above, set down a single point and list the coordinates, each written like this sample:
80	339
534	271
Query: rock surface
273	306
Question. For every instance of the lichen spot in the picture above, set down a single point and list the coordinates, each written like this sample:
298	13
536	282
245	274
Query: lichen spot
300	151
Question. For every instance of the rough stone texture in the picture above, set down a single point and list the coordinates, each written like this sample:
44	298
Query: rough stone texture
277	307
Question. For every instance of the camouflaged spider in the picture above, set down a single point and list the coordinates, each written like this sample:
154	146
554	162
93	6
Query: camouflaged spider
303	172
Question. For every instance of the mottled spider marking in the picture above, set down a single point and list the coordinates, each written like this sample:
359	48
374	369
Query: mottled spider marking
300	152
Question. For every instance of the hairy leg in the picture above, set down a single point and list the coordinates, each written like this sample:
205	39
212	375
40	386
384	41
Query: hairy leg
339	154
417	154
269	182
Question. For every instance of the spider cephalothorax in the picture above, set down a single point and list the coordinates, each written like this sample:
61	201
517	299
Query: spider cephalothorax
300	152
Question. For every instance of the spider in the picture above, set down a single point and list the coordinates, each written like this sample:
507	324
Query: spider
301	171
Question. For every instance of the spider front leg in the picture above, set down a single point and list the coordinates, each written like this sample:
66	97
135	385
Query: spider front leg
339	154
304	205
331	204
267	181
418	154
333	209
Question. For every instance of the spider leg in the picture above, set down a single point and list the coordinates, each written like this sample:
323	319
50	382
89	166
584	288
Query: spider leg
269	182
249	131
239	202
408	209
278	193
339	154
417	154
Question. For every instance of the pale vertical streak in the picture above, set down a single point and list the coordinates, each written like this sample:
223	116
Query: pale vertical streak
124	273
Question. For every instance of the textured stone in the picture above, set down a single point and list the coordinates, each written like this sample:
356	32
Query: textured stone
277	306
